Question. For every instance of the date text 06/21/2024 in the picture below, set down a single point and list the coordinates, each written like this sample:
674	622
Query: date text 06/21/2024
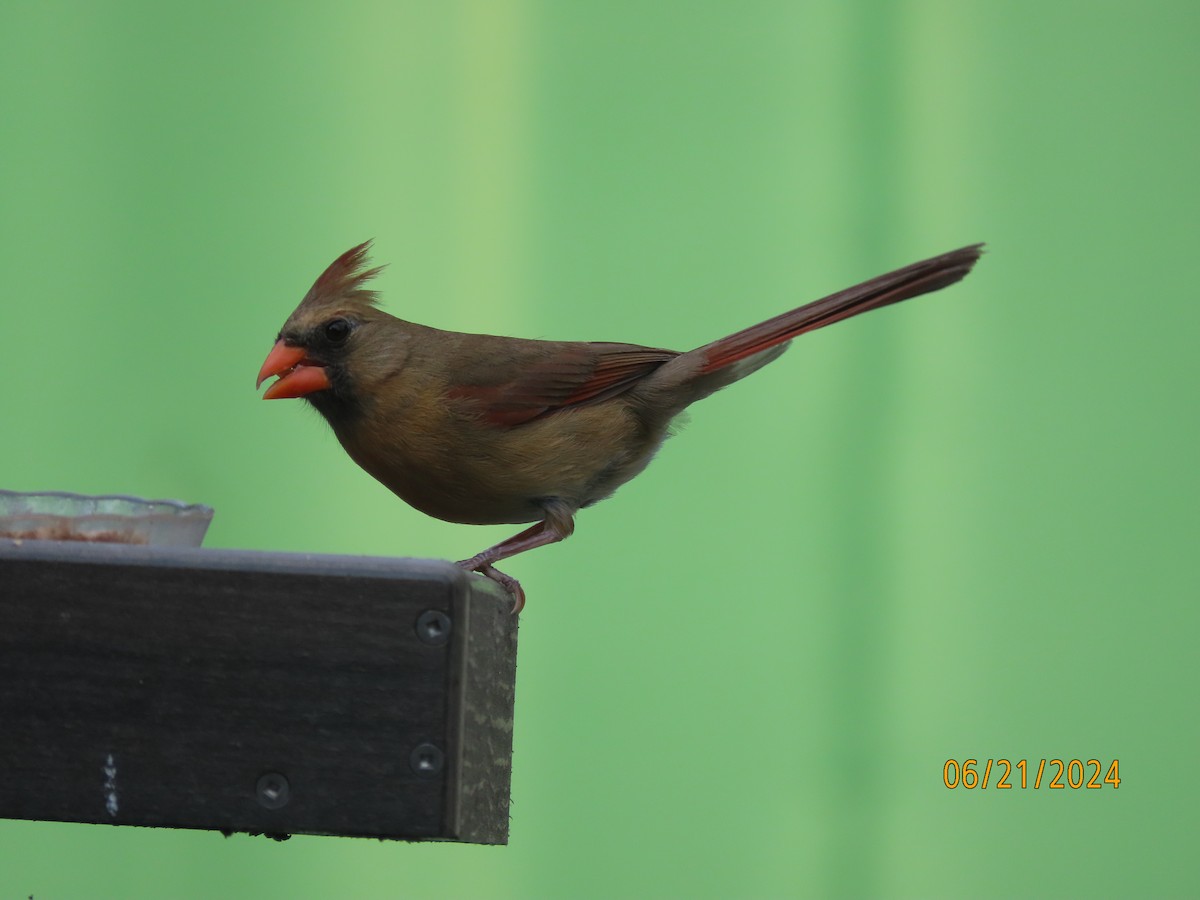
1078	774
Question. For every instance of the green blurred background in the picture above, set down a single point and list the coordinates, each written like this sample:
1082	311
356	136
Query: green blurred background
962	527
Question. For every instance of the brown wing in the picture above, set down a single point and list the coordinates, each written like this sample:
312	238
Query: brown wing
563	375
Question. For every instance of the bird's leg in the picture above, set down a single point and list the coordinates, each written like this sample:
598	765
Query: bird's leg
555	527
558	525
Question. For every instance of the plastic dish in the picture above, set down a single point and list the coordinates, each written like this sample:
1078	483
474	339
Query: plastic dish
60	516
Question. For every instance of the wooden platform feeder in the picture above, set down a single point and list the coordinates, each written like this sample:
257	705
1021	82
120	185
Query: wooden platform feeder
267	693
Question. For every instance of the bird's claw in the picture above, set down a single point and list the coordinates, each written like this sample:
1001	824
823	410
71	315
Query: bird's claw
507	582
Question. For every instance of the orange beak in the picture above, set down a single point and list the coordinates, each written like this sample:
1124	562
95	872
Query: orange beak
297	377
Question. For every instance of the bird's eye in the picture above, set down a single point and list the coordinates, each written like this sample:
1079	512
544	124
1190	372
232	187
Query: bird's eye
337	330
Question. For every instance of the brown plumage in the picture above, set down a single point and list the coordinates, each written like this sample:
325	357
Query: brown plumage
480	429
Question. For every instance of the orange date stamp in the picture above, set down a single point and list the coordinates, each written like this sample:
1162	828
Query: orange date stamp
1054	774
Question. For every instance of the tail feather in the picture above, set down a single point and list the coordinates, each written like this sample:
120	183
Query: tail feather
902	284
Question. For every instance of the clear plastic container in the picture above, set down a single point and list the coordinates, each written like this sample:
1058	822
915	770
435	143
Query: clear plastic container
60	516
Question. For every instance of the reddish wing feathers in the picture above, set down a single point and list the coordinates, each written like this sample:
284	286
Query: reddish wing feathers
573	376
910	281
618	367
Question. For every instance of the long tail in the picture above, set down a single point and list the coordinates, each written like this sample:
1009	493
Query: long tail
902	284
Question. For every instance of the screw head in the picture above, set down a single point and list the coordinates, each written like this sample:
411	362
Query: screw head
427	759
433	627
273	791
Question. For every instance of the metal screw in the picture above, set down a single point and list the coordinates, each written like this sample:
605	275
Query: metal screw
427	759
433	627
273	791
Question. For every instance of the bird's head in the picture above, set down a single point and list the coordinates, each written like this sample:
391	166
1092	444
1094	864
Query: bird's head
312	354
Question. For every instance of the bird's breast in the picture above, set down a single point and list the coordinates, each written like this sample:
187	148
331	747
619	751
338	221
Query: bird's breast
456	468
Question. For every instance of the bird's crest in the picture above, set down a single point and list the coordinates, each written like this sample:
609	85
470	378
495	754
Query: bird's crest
344	280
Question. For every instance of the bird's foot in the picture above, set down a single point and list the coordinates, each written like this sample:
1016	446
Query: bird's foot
507	582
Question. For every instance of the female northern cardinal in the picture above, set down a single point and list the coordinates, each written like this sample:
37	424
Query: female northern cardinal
486	430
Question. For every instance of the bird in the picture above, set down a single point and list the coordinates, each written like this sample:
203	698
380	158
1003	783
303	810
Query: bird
482	429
